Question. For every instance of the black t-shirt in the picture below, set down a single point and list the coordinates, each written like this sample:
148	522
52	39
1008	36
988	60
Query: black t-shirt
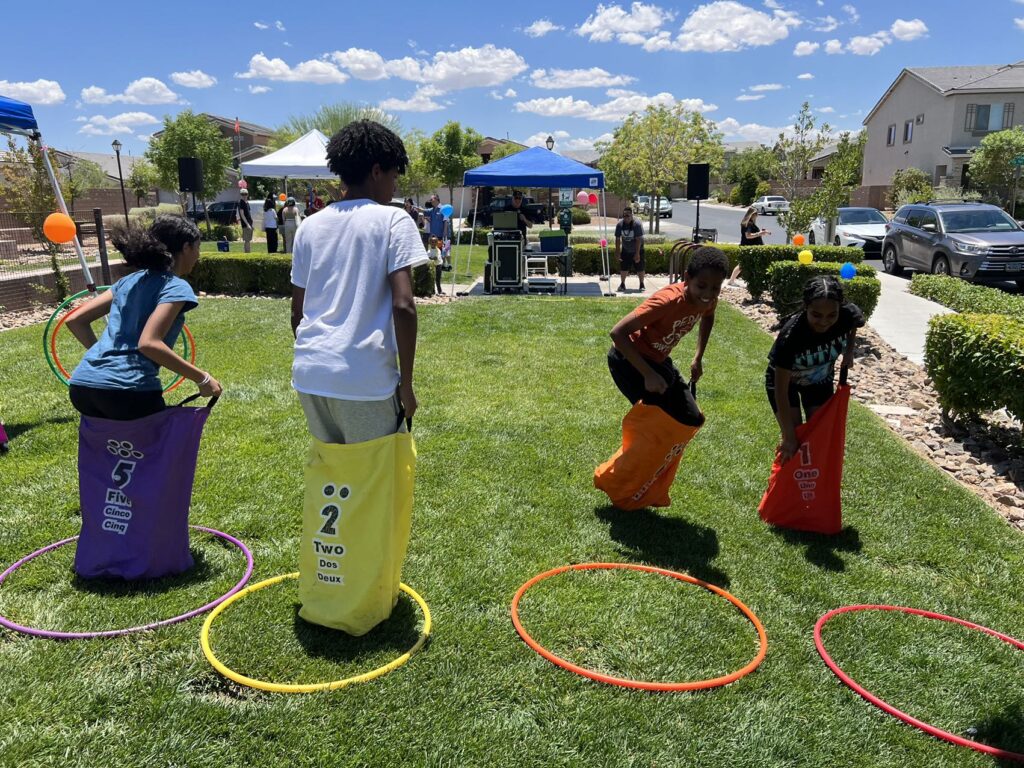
520	224
630	236
812	356
244	215
750	234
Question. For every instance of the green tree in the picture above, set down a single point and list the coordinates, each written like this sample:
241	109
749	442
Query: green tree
992	170
190	135
330	119
78	177
795	150
760	163
649	151
842	176
25	185
142	179
909	185
507	149
418	178
450	152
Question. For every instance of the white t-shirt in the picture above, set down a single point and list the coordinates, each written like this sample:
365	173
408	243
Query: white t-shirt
270	219
345	346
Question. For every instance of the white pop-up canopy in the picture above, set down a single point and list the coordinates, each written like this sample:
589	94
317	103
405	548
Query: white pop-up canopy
304	158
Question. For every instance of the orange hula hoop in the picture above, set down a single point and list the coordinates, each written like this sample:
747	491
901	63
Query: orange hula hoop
695	685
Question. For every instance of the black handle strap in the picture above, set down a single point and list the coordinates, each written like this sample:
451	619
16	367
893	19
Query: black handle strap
212	402
844	374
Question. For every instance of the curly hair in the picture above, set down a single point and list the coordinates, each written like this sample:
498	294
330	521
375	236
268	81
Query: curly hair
157	246
707	258
353	151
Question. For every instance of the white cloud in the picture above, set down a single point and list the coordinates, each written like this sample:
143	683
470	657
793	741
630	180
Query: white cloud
260	25
833	47
564	142
126	122
908	30
279	26
825	24
772	4
472	68
610	22
726	25
541	27
620	105
146	137
595	77
805	76
421	101
286	44
1019	22
750	97
511	93
733	129
145	90
766	87
826	110
42	93
312	71
195	78
256	90
805	48
361	63
868	45
852	13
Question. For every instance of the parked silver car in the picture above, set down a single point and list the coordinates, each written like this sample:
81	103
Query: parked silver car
975	241
770	204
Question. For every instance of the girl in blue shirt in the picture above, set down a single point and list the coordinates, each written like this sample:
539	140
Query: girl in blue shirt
119	376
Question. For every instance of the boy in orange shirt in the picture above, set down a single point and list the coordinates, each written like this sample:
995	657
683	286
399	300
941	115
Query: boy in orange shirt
641	367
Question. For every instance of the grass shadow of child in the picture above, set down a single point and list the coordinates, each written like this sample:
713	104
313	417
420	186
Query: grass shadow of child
1003	730
112	587
16	429
821	549
396	635
667	542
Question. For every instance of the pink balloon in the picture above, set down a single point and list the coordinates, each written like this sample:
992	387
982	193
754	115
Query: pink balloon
593	199
582	198
243	184
604	243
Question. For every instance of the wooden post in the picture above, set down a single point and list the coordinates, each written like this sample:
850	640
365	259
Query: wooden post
97	215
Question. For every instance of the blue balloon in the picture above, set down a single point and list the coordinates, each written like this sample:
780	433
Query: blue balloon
447	210
847	271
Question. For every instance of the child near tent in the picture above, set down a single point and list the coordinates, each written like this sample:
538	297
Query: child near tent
801	363
436	260
665	415
119	376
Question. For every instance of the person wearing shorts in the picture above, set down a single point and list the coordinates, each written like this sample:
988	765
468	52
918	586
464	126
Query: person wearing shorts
629	248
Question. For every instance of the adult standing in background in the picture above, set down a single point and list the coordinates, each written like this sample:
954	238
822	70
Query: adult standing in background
291	217
244	217
629	248
750	231
438	225
270	223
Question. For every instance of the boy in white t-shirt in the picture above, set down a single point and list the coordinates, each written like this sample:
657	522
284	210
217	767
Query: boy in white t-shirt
352	302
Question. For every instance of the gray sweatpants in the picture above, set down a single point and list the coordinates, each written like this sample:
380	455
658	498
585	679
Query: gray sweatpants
332	420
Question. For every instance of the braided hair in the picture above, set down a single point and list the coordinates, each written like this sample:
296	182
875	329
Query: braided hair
355	149
823	287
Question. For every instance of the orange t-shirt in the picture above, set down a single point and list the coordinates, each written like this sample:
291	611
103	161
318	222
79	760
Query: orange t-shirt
667	317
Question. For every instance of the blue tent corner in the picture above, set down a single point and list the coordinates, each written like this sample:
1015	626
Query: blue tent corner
16	117
535	167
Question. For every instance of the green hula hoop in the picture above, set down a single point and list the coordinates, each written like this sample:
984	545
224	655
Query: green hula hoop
49	345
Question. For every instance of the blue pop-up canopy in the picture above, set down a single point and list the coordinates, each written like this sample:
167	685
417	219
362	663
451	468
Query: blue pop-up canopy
535	167
16	117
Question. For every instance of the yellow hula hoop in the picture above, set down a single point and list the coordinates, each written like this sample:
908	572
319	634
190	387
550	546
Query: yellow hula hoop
264	685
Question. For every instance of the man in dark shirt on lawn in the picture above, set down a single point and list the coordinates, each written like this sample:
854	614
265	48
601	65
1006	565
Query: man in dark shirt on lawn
629	248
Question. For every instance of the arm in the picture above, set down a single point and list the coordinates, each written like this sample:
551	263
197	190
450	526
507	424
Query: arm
298	299
639	246
618	246
80	321
703	334
653	381
784	414
403	310
851	342
151	344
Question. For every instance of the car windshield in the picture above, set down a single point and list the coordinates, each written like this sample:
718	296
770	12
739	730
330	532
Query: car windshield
983	220
861	216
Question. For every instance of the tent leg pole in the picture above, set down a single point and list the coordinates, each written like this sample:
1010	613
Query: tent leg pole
605	259
472	236
86	275
458	237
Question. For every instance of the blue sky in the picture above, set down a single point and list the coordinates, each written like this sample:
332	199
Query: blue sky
522	70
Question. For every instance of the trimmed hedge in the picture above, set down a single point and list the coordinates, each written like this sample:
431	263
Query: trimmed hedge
786	281
961	296
976	362
229	231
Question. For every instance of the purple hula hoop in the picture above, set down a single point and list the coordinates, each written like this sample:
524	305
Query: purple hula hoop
5	622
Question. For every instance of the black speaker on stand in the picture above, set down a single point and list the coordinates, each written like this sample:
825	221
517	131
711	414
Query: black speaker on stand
190	176
698	179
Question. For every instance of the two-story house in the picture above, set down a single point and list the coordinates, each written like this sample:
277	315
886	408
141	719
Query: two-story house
932	118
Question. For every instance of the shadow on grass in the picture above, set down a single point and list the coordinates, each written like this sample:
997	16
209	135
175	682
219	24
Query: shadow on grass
396	635
1004	730
668	542
821	549
17	428
110	587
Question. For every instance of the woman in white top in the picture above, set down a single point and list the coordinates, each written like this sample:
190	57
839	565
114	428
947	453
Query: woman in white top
270	223
291	217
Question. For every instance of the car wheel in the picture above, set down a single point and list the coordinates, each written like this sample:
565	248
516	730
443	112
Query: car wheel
940	266
810	238
1020	283
890	263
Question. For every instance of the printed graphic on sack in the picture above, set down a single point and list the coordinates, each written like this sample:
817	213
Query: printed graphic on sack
117	512
327	549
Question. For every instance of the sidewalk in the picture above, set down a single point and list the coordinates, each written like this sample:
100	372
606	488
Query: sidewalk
901	318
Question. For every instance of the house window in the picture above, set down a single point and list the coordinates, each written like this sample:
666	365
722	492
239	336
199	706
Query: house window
940	174
890	135
919	120
982	118
908	131
1007	116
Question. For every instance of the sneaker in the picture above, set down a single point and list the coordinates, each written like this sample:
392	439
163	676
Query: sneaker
621	288
642	289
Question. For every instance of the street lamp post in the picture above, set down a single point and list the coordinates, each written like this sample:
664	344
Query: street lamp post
550	144
120	177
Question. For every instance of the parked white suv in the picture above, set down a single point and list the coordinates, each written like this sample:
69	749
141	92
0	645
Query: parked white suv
857	227
771	204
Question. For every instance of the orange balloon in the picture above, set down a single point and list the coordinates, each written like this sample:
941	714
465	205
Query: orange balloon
282	197
798	240
59	228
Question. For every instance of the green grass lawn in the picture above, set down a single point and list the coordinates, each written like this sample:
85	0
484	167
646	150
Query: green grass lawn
517	408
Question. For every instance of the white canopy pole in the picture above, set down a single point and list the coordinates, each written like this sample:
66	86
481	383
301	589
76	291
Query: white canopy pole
86	275
472	234
605	259
458	237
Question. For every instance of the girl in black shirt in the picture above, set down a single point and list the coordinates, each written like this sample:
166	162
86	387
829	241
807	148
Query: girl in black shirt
801	364
750	231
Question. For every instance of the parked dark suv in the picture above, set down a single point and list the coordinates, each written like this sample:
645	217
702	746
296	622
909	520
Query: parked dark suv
220	213
975	241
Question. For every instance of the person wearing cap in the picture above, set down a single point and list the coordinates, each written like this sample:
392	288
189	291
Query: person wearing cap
243	216
291	217
522	222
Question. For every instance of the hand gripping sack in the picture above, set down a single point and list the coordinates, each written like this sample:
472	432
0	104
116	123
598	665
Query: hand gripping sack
356	519
641	472
135	485
804	493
